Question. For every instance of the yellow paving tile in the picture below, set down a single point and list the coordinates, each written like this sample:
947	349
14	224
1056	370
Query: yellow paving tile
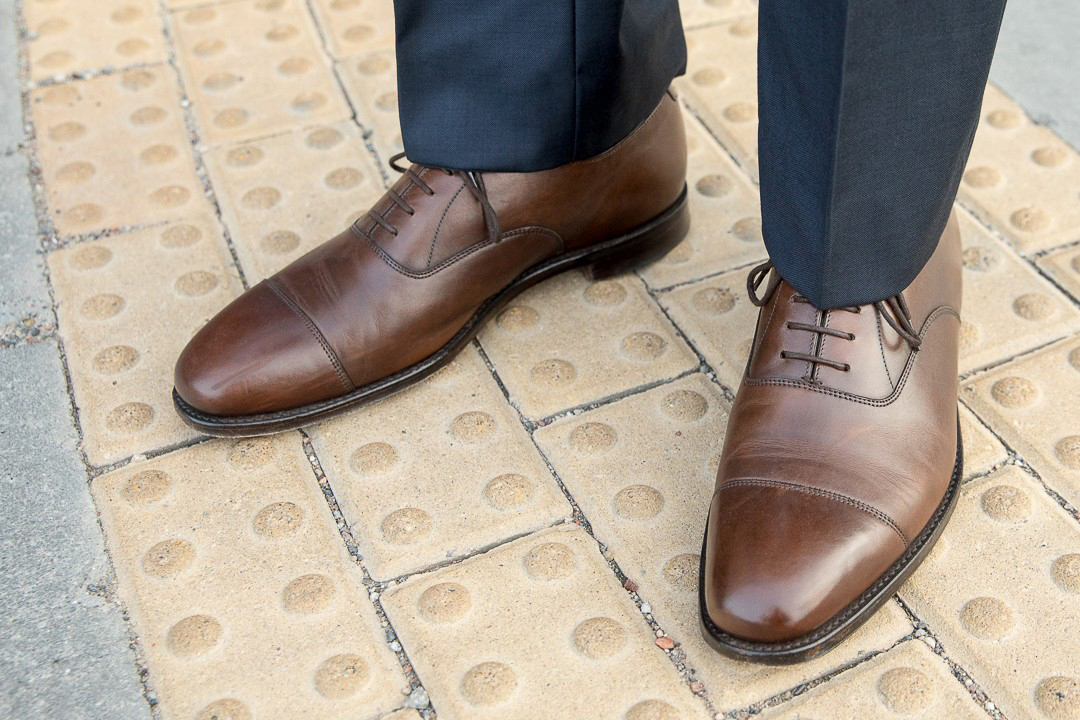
907	681
408	512
1031	403
127	305
352	27
74	36
371	83
537	628
567	342
1002	592
114	151
245	602
982	451
720	85
719	319
1022	178
1007	307
642	470
704	12
254	68
284	195
1064	267
725	218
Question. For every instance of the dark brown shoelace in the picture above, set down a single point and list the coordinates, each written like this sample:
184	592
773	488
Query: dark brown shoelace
894	310
474	181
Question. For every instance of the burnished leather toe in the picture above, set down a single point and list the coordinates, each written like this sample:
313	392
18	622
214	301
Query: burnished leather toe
784	561
257	355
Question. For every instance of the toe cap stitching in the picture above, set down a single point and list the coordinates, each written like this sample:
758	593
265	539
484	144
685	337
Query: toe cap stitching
343	376
819	492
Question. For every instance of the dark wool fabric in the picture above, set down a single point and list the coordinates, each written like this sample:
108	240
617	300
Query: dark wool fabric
867	111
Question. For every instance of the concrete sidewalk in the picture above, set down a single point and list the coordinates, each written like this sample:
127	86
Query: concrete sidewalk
471	548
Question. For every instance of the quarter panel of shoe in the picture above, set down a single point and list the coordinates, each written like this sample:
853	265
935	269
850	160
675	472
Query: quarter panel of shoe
600	198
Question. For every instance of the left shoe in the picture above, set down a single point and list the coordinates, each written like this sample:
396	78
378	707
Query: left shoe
840	467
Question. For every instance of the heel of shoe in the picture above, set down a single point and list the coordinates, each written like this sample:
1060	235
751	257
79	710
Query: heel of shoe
645	245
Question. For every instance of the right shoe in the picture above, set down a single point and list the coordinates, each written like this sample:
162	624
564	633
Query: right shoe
841	464
394	297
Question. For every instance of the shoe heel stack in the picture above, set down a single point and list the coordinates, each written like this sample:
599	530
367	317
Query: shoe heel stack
645	245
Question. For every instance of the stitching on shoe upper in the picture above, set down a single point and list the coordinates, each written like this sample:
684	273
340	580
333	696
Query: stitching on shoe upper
819	492
343	376
438	228
881	344
459	255
875	402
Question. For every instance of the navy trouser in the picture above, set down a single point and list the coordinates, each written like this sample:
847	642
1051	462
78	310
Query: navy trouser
867	110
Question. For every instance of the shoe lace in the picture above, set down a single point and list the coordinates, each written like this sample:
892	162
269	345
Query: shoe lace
894	310
474	181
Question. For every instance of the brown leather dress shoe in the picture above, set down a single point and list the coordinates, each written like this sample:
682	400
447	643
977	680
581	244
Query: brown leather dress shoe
394	297
840	466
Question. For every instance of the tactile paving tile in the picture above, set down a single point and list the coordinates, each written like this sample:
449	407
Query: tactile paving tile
1031	403
907	681
254	68
126	306
74	36
1021	178
1002	592
355	26
643	469
535	629
1064	267
489	483
725	217
705	12
569	341
282	196
114	151
719	319
720	85
1007	307
239	587
982	451
371	84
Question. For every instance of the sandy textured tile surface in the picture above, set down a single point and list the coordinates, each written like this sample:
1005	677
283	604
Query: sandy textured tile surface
1031	403
1064	267
437	472
243	595
725	218
371	84
284	195
127	305
254	68
128	166
1007	307
496	634
718	318
1002	592
720	85
355	26
1021	178
536	343
982	451
704	12
75	36
907	681
642	470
